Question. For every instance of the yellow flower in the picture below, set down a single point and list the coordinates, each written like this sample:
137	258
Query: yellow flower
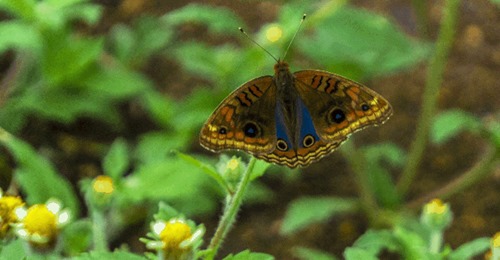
103	184
437	215
495	242
8	205
233	164
436	206
175	238
40	224
274	33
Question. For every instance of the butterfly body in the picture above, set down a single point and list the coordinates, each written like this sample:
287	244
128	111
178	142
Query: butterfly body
293	119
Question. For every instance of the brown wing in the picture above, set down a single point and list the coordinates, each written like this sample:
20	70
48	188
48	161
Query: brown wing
339	106
244	120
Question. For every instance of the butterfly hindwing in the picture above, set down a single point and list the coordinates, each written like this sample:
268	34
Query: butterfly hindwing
307	149
244	120
339	106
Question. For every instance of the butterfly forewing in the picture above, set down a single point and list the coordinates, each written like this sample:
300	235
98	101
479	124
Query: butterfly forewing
244	120
340	106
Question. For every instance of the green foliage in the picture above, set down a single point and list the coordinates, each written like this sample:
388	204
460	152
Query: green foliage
247	255
409	244
37	176
312	254
308	210
116	160
77	237
450	123
353	43
217	20
470	249
63	74
377	158
116	255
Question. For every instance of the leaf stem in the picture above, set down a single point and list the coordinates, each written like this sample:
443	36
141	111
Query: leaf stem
434	80
230	210
366	196
469	178
98	229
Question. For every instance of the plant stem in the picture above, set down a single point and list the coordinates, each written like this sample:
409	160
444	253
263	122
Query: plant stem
230	210
436	241
98	229
366	196
434	80
469	178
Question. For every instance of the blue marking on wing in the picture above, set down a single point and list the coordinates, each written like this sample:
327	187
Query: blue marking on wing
281	132
307	125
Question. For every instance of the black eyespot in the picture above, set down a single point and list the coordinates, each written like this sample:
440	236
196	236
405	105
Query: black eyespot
222	131
250	129
308	141
281	145
337	116
365	107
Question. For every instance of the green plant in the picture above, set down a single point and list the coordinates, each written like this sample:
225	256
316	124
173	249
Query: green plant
61	73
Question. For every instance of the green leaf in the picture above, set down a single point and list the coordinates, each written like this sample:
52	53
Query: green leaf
247	255
116	255
374	241
24	9
379	176
21	36
217	19
180	184
412	245
259	169
117	83
134	45
350	38
312	254
309	210
160	107
14	249
66	58
450	123
470	249
206	169
77	237
37	177
116	160
358	253
156	146
60	105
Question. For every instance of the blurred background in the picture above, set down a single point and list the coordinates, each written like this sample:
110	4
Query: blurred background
76	76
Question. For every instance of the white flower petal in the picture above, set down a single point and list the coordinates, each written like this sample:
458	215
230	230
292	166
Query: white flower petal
20	212
158	227
53	206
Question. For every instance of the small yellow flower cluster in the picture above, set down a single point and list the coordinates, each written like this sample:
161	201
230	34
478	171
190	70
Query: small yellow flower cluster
103	184
437	215
274	33
40	224
174	239
8	205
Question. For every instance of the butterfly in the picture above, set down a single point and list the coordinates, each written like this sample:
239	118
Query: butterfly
293	119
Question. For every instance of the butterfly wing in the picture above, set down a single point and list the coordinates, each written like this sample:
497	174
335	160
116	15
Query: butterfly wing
339	106
244	120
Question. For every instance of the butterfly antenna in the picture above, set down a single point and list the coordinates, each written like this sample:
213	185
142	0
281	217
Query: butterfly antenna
293	38
250	38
